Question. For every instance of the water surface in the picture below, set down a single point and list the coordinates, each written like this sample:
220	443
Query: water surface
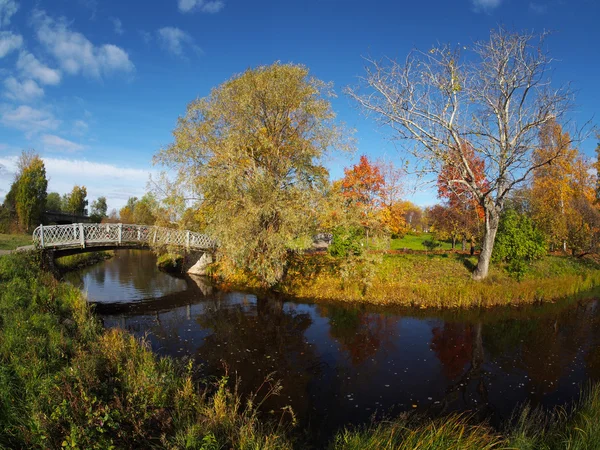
341	363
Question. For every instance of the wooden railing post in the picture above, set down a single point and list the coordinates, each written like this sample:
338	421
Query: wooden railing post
42	235
81	236
139	235
120	233
75	232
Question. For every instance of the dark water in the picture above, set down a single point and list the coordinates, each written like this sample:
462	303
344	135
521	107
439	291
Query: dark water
342	364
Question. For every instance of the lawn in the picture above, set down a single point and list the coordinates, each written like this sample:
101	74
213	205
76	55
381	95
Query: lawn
415	242
12	241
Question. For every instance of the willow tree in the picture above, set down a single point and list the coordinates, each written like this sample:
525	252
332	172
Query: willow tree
252	153
492	99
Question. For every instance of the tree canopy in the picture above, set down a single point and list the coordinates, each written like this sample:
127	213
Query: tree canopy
252	152
490	99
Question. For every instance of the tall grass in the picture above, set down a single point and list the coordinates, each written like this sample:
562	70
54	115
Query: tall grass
67	383
559	429
432	281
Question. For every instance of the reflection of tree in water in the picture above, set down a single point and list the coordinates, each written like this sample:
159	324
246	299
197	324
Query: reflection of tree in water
457	346
137	268
254	340
359	333
544	349
452	343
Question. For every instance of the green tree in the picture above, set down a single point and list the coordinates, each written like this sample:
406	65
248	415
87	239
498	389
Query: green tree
518	242
31	192
99	209
144	211
252	150
54	202
76	201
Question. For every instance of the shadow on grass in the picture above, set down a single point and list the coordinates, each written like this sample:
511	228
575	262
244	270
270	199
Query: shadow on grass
468	262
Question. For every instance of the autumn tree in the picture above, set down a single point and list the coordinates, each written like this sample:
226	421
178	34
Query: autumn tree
391	213
362	186
552	187
492	98
30	190
126	212
99	209
583	224
252	152
76	201
461	214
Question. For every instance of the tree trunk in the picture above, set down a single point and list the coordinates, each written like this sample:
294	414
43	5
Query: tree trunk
464	243
453	242
492	219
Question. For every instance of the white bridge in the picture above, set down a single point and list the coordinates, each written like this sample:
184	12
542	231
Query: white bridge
88	236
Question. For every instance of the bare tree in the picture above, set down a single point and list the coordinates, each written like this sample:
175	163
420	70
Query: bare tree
491	99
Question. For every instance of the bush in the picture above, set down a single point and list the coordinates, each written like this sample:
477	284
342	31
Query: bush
518	243
170	262
347	241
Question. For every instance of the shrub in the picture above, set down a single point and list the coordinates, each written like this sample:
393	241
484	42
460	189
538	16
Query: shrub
347	241
518	243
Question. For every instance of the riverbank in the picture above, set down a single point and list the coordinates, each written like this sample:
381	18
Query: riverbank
434	280
81	260
66	382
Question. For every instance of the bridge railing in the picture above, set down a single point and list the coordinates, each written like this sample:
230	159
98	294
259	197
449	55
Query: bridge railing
89	234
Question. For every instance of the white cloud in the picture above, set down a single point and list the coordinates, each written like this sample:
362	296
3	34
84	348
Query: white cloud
22	91
115	182
75	53
173	40
31	67
9	42
8	8
211	7
118	25
485	5
28	119
55	143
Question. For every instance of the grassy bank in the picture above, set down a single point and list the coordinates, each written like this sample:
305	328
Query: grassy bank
81	260
12	241
67	383
539	430
427	280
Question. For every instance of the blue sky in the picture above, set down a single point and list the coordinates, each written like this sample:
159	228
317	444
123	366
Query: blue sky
96	86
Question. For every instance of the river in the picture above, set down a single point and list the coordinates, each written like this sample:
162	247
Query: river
342	363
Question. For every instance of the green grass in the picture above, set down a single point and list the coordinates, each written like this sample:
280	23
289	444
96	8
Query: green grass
557	429
415	242
67	383
80	260
12	241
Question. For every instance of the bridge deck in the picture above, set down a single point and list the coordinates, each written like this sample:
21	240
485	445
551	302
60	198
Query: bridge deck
116	235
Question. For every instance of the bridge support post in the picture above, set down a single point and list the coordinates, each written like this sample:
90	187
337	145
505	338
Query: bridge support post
199	268
81	235
120	233
187	240
42	235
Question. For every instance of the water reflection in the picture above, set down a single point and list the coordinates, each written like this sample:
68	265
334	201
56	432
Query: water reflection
130	275
341	364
